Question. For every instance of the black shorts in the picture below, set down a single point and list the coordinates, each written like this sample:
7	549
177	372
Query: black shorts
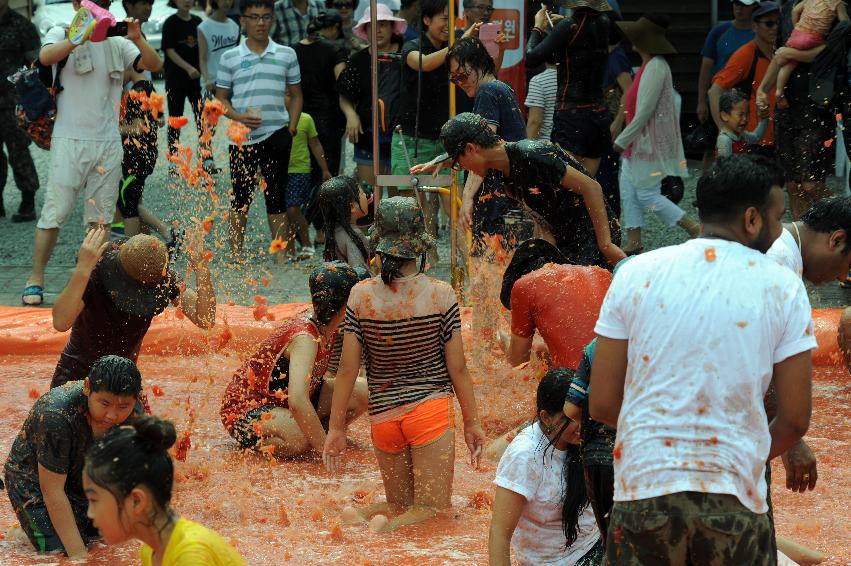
584	132
800	134
272	157
243	429
35	521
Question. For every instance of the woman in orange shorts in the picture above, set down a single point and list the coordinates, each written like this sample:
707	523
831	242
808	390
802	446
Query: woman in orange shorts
408	327
280	396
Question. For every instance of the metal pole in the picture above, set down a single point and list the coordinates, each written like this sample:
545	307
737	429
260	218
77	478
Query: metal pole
373	56
456	274
713	8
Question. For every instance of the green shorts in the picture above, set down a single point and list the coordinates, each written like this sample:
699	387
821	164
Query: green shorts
426	150
689	528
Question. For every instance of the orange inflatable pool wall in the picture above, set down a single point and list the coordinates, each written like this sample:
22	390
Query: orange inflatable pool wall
26	331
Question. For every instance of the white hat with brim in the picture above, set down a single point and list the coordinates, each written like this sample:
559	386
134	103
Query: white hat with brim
384	15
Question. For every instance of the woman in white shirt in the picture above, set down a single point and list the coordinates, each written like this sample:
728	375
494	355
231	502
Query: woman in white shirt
541	508
651	144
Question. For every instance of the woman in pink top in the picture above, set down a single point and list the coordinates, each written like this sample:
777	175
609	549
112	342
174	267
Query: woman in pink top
651	143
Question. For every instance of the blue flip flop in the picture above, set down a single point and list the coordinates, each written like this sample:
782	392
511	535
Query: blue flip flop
31	292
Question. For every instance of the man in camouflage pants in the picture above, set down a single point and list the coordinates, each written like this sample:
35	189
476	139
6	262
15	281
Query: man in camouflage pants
693	438
19	43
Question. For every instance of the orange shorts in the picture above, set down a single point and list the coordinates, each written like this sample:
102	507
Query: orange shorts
423	425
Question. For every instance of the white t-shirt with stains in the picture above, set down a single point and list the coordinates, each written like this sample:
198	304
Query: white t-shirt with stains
786	252
535	470
706	321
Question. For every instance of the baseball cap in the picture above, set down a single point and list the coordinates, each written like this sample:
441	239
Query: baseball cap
747	2
764	8
463	129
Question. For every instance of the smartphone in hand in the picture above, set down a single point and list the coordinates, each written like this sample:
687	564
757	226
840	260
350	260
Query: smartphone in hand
118	30
487	35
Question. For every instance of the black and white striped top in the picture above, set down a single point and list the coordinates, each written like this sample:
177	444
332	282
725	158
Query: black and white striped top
403	330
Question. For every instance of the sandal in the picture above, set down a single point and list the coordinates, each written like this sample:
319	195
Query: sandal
33	295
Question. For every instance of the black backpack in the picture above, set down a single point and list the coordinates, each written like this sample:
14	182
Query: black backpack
36	89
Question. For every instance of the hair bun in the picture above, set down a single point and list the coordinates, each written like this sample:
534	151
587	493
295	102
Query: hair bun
155	433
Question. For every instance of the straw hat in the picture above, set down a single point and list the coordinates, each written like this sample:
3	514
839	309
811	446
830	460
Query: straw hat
647	36
384	15
136	276
400	230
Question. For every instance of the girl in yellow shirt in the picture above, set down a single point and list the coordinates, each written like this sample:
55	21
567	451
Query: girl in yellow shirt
128	479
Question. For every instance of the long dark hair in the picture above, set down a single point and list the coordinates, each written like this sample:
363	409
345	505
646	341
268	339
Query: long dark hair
129	456
336	196
552	391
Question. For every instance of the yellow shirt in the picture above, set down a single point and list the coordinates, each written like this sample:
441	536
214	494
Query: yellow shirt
192	544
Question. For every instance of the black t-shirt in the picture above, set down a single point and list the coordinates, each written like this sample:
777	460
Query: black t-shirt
317	62
434	98
598	439
355	83
140	149
102	329
55	434
536	171
182	36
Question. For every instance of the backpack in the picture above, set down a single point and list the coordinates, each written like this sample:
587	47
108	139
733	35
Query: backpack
36	89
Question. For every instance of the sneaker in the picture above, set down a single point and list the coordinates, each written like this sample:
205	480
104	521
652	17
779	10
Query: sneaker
306	252
26	212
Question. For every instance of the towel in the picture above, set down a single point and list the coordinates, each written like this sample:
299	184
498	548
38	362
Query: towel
114	60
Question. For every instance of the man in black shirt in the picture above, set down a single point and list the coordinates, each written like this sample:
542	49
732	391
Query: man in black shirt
109	302
536	173
44	471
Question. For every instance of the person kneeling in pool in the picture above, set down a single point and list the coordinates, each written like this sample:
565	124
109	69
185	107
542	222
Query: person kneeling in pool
114	294
408	325
543	177
44	471
127	479
279	397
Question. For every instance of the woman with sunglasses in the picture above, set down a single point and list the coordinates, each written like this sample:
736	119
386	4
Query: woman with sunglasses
541	506
347	12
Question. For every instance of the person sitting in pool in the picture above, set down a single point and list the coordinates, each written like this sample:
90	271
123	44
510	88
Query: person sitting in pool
114	294
279	397
127	479
540	509
44	471
544	178
544	292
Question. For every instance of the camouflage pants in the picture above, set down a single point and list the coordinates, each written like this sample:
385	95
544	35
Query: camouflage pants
16	144
689	528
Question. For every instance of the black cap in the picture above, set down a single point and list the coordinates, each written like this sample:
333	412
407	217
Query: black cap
463	129
764	8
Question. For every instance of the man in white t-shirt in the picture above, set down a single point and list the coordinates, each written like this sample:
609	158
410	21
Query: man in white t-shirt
693	438
86	150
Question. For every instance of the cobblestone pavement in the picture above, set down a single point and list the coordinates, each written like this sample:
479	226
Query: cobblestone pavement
172	199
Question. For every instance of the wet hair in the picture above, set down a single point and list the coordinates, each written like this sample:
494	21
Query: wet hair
246	4
116	375
330	285
325	19
430	9
470	53
335	199
391	267
529	256
830	214
133	455
552	392
735	183
729	99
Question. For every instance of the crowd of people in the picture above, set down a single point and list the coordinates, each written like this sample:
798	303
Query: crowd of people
644	448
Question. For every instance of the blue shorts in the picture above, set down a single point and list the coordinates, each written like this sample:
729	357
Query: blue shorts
299	189
364	156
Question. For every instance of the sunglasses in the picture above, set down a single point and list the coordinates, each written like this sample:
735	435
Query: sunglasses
344	5
768	23
483	8
459	77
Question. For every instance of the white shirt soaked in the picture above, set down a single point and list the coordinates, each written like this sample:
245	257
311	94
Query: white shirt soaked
92	82
259	81
787	252
535	470
220	37
706	322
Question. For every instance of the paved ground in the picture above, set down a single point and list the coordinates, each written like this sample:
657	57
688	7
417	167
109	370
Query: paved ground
174	200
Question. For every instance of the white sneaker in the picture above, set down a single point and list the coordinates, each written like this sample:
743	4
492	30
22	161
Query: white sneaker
306	252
